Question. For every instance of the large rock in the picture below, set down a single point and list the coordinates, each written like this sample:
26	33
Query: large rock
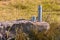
25	25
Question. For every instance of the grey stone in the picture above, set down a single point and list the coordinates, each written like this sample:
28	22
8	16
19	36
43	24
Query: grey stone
25	25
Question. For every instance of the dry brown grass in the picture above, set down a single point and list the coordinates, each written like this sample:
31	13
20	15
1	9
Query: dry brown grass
16	9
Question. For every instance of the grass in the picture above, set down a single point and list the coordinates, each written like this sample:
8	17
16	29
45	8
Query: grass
16	9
